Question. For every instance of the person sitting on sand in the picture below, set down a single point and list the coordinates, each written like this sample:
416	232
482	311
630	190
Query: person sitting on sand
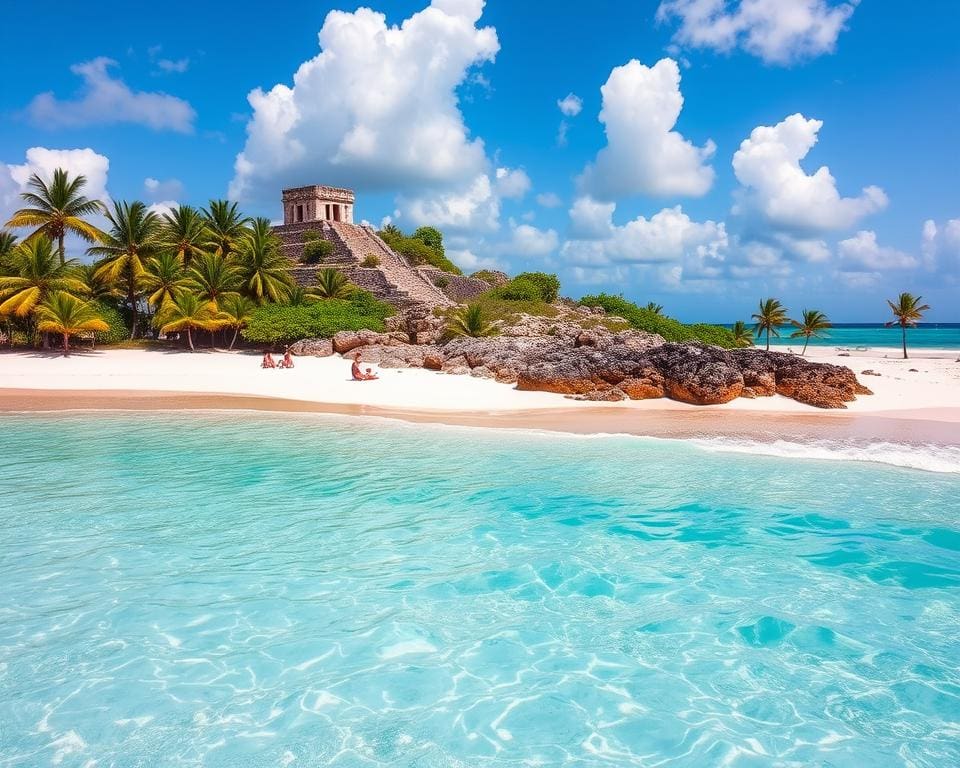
287	361
359	375
268	361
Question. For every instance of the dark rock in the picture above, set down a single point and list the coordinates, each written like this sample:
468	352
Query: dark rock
698	374
869	372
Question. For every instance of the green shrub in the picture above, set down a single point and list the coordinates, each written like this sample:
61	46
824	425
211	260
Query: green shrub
430	236
370	260
648	320
283	323
528	286
548	285
418	251
315	251
488	275
441	282
310	236
119	330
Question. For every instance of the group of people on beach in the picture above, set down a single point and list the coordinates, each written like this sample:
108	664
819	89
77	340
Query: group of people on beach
356	371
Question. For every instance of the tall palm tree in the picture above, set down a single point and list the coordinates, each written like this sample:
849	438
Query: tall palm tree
264	270
165	277
184	231
225	226
742	335
771	316
236	311
332	284
37	273
134	238
814	321
67	315
58	208
187	311
907	311
470	321
215	276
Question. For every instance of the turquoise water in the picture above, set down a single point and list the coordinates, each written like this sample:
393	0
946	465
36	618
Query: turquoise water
240	590
925	336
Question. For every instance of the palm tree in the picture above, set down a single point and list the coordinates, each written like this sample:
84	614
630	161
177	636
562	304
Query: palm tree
37	273
908	311
742	335
134	238
225	226
187	311
264	270
8	241
58	208
236	311
215	276
184	232
301	296
332	284
771	316
67	315
470	321
657	309
814	321
165	277
96	287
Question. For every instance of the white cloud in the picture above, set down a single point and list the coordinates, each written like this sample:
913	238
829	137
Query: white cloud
644	155
570	105
163	207
156	190
776	31
527	240
375	109
940	245
862	252
468	261
549	200
512	183
782	194
667	236
475	208
103	100
171	66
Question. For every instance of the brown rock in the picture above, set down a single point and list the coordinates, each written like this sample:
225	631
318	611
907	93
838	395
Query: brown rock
312	348
345	341
433	361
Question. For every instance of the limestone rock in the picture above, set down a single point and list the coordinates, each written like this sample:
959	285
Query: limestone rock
345	341
312	348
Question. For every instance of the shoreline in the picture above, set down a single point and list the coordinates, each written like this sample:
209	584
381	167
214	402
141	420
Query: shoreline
909	428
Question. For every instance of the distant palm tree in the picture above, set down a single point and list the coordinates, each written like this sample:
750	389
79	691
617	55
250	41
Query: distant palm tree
134	238
742	335
97	287
8	241
264	270
36	274
332	284
225	226
771	316
184	231
58	208
812	324
165	277
187	311
67	315
657	309
470	321
236	311
908	311
216	277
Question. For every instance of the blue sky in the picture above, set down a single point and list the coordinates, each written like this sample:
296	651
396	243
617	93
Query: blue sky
451	115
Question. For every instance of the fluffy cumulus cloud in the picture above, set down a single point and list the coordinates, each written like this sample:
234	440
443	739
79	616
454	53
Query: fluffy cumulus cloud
43	162
644	155
474	208
512	183
376	108
783	195
940	245
862	252
155	190
528	241
549	200
104	99
570	105
777	31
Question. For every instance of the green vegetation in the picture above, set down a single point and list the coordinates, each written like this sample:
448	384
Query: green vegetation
316	250
332	284
771	315
370	261
188	312
470	321
907	311
487	275
657	309
279	323
813	323
263	270
66	315
425	246
529	286
645	319
117	329
742	335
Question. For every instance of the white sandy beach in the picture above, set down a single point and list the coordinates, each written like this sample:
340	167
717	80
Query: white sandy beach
932	391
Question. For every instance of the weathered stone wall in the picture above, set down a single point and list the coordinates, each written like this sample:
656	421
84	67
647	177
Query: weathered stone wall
460	288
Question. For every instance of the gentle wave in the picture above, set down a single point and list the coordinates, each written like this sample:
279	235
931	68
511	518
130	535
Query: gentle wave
927	457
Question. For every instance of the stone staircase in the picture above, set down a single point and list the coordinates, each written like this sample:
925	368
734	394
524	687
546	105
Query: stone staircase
393	280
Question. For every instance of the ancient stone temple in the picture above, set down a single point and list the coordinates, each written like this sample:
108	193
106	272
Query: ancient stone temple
317	203
320	212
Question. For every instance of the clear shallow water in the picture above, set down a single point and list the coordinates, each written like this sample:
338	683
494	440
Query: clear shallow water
925	336
237	590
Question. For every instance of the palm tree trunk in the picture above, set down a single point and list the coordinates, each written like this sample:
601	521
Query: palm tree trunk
190	339
807	341
133	308
63	256
904	327
768	338
66	344
234	339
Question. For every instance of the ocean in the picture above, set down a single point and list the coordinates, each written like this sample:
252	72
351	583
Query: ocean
236	589
852	335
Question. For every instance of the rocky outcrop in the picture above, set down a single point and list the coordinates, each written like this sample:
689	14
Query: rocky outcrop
419	324
312	348
345	341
